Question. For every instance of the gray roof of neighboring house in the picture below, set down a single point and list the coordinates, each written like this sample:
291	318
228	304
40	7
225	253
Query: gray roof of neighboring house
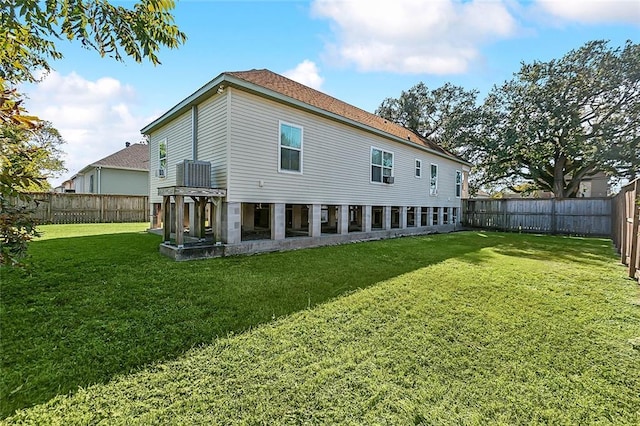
133	157
269	84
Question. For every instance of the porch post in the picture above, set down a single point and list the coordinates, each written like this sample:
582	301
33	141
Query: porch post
315	212
343	219
179	220
277	217
166	218
403	217
366	218
201	208
193	217
386	219
217	221
231	223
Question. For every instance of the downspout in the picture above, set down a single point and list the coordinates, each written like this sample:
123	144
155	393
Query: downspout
99	183
194	131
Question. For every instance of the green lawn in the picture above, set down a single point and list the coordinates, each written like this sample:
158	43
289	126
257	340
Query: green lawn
465	328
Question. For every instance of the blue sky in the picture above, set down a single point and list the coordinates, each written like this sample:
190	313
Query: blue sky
360	51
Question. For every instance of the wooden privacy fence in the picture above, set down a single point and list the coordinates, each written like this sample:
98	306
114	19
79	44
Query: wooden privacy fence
89	208
626	235
575	216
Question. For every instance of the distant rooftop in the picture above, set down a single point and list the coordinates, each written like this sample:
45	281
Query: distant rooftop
135	156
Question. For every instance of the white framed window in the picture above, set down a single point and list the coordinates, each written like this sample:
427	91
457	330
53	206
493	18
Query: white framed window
458	183
290	148
381	165
162	158
433	180
418	172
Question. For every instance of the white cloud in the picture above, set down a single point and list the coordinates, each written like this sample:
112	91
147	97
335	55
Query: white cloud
593	11
413	36
306	72
94	117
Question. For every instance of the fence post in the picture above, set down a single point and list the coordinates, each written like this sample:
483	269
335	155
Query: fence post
554	221
635	209
49	212
505	215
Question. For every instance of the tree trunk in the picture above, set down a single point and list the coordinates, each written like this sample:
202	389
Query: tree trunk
558	177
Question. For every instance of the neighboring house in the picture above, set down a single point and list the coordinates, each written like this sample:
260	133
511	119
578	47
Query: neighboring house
289	161
596	186
65	187
125	172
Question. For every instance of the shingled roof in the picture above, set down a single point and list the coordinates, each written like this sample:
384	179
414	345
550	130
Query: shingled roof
135	157
302	93
269	84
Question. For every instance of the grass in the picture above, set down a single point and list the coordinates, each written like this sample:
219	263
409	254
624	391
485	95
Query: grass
464	328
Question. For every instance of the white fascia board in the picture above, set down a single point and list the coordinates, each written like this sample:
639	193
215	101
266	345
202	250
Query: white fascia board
194	99
134	169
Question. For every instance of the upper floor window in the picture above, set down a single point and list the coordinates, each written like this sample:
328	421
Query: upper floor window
458	183
162	157
381	166
433	181
290	148
418	168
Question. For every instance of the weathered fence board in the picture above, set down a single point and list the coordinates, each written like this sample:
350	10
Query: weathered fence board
626	224
89	208
576	216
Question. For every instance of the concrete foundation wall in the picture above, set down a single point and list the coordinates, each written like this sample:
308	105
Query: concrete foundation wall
262	246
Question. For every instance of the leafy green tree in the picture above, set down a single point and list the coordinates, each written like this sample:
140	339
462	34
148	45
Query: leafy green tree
17	156
557	122
29	31
448	115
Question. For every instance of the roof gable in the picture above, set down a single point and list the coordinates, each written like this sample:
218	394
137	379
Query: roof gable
269	84
285	86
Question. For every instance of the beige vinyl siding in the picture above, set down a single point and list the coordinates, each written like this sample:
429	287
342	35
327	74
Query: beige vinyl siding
212	137
336	161
179	146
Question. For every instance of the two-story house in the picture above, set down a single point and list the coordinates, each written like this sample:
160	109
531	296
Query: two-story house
293	167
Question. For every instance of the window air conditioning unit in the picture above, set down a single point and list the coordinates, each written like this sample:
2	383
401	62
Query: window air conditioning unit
388	179
161	173
194	174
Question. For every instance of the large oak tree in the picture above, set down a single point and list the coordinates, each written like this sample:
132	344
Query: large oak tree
448	115
558	122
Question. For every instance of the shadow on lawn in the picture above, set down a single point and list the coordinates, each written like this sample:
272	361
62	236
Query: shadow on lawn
586	251
95	307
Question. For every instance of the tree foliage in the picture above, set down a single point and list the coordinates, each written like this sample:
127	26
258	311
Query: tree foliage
29	30
448	115
18	158
29	33
557	122
554	124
